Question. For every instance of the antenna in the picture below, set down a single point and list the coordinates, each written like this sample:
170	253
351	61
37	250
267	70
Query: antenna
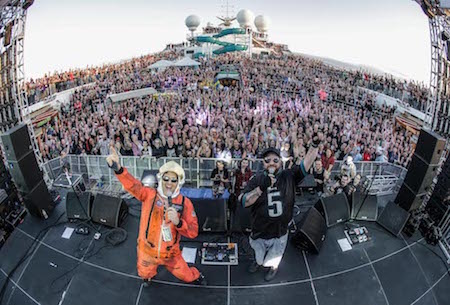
227	13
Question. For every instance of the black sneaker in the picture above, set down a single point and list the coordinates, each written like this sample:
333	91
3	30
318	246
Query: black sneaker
253	267
147	282
270	274
201	281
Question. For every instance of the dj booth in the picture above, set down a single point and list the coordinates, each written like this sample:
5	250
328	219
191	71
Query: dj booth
214	214
211	212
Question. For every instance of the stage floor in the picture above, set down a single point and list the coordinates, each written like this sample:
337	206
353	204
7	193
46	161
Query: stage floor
82	270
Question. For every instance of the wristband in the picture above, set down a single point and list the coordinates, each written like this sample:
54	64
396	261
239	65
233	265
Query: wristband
115	166
120	171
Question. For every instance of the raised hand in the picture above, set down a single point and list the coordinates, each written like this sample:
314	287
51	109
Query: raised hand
113	159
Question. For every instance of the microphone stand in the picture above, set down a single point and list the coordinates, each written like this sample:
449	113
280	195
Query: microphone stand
89	220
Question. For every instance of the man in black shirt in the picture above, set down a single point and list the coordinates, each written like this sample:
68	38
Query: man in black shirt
271	197
320	175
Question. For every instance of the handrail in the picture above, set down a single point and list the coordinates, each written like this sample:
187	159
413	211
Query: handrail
198	171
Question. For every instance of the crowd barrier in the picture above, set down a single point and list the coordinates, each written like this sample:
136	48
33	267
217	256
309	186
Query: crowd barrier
97	175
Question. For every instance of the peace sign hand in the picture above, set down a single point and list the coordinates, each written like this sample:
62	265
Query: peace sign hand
113	159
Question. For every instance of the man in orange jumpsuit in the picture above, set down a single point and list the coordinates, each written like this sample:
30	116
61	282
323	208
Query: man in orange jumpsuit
165	216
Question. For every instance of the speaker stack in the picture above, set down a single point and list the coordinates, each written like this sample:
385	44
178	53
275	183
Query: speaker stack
25	171
438	206
421	171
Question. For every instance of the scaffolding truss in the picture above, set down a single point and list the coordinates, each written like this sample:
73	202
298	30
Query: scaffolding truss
14	97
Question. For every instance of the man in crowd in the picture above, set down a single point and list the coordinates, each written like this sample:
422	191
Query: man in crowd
346	185
320	176
165	215
271	196
220	178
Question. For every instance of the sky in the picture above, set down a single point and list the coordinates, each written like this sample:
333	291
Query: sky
392	35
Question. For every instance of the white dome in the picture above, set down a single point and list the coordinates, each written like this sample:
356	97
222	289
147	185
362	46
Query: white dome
245	17
192	22
262	23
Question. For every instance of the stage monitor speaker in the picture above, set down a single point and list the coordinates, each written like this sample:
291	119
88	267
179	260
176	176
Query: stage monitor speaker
409	200
38	201
25	172
420	175
109	211
335	209
393	218
364	206
311	232
241	219
211	214
78	207
16	142
430	146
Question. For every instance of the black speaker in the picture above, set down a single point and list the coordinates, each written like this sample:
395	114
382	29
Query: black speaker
16	142
38	201
393	218
408	199
211	214
241	219
420	174
364	206
441	189
79	207
25	172
109	211
311	232
335	209
430	146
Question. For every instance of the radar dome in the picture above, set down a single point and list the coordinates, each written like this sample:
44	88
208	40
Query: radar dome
245	17
192	22
262	23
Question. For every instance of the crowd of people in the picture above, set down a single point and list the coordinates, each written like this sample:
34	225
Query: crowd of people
296	114
276	105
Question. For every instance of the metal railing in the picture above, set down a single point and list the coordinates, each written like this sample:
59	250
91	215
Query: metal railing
98	176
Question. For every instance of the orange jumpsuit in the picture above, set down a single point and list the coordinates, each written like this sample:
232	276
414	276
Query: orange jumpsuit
152	250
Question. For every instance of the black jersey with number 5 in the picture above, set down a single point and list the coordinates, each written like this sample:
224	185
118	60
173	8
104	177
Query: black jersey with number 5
272	211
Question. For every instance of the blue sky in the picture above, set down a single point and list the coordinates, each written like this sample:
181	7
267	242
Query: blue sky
389	34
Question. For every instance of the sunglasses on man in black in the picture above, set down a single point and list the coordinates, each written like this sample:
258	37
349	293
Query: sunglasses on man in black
268	160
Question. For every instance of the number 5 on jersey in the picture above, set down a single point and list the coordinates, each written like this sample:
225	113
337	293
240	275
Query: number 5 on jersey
274	206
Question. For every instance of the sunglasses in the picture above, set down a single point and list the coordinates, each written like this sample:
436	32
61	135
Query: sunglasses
268	160
173	180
